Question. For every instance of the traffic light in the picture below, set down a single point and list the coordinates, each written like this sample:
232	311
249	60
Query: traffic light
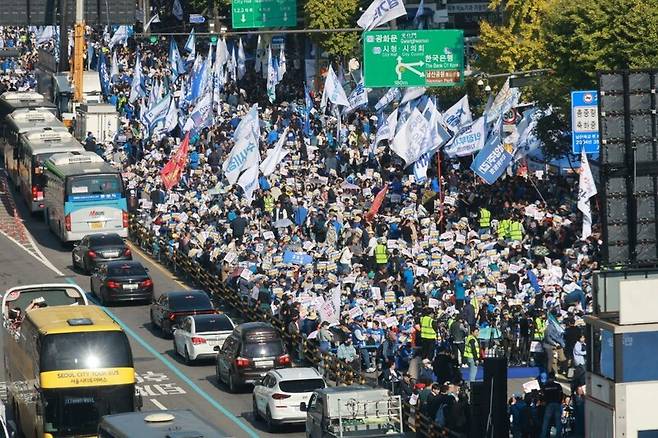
213	39
153	39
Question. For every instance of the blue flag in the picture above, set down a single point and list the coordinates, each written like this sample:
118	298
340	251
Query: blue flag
493	159
176	63
309	106
136	87
104	74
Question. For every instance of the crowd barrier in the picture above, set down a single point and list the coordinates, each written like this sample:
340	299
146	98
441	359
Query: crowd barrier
334	369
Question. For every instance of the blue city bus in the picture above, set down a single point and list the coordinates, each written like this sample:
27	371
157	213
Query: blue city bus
84	195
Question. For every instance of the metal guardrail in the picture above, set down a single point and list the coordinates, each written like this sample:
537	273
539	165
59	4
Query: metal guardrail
334	369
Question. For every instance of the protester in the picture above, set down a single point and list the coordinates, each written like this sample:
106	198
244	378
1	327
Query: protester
336	232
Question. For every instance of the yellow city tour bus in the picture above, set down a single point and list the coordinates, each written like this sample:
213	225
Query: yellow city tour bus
67	366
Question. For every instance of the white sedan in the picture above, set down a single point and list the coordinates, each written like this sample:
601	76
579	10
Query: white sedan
277	397
201	336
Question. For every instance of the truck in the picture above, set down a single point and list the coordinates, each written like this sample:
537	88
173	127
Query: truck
353	412
101	119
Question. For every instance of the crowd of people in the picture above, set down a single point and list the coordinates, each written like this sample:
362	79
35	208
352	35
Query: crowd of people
445	272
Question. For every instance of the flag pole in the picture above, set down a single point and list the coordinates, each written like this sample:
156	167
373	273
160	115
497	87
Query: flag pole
438	165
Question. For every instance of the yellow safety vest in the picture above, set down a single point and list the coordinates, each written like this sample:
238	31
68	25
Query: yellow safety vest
268	202
540	327
426	329
503	228
485	218
381	254
468	350
515	232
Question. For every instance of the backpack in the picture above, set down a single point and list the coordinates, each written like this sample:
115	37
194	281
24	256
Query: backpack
440	417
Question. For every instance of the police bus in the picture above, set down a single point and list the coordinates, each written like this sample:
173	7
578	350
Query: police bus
84	195
34	148
11	101
69	366
17	123
184	422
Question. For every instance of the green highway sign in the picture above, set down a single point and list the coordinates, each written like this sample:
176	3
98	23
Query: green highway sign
263	13
413	58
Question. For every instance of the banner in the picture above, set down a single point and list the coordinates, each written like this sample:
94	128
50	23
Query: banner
242	60
469	140
104	74
297	258
493	159
381	12
586	189
173	170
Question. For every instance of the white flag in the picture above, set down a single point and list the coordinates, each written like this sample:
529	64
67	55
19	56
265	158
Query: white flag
114	70
120	36
412	93
586	189
274	155
154	19
458	115
468	140
171	120
410	139
506	99
242	59
381	12
358	97
333	91
249	182
282	64
391	95
177	10
245	152
386	131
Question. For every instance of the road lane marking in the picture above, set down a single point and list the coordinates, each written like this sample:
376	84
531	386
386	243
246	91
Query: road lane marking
203	394
157	265
158	404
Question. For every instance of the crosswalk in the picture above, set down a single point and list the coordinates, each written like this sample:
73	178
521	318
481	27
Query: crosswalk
3	392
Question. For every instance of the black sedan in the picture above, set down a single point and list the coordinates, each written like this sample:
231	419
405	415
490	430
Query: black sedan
96	249
122	281
170	308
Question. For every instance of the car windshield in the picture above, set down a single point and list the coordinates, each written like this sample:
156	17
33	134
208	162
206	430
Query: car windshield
267	349
126	270
198	301
215	323
305	385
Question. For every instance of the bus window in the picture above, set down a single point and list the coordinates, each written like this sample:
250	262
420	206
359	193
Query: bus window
75	351
85	186
76	411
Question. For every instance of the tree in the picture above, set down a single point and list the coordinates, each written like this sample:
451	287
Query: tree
335	14
518	43
575	39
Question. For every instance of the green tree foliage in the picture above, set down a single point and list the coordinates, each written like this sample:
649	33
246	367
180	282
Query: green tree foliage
575	39
334	14
516	44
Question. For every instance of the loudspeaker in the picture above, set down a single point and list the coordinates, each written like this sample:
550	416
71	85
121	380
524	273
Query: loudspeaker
496	420
628	123
477	413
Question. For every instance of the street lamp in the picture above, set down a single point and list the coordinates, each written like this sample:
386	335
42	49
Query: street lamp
487	88
480	82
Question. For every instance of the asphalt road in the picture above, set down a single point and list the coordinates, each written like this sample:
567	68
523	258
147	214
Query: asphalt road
164	380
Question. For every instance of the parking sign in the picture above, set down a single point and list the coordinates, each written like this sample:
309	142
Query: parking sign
584	122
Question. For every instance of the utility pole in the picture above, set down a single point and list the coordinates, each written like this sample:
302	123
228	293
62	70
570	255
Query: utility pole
79	50
62	16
